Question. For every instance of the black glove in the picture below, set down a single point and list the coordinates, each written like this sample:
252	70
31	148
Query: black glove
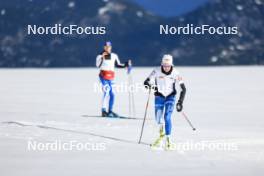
149	86
146	84
179	106
128	63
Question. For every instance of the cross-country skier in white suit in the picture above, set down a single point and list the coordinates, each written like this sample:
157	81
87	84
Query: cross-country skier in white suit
163	80
107	61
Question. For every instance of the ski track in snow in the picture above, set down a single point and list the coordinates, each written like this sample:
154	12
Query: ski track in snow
224	104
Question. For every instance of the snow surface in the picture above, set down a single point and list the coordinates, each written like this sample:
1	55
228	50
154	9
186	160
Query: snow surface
224	104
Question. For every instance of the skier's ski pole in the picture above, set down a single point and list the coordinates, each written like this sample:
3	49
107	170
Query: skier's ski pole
131	103
133	107
143	124
189	122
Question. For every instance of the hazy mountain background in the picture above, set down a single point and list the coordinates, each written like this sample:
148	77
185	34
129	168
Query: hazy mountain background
170	8
133	30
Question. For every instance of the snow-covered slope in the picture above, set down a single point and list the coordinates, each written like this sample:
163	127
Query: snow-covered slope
225	105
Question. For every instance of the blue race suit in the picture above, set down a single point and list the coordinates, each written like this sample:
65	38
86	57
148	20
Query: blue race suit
167	104
107	86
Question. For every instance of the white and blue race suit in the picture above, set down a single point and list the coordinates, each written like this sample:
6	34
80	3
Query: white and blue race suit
164	84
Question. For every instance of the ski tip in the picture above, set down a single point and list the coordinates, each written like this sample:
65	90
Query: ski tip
194	129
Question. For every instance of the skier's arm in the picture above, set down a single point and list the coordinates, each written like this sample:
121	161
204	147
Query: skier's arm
118	64
179	105
183	88
183	92
99	61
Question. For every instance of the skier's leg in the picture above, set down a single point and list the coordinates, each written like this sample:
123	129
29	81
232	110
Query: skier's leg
105	89
111	100
159	108
112	96
169	106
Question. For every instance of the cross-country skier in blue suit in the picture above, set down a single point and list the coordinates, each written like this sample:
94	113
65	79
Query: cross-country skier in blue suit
163	80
